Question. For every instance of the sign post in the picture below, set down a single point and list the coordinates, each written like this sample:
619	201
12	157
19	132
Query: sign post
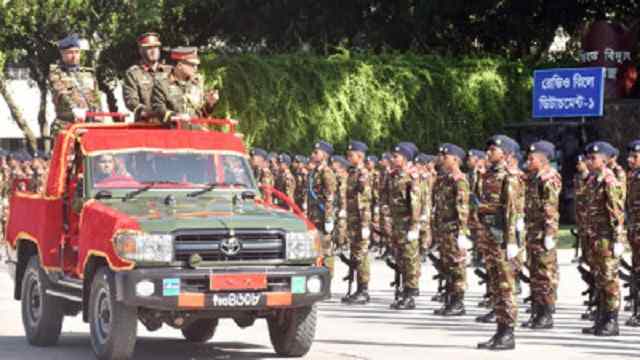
575	92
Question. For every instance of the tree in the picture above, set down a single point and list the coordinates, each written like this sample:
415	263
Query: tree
15	111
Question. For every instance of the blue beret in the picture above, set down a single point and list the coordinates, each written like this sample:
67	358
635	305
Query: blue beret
259	152
615	152
386	156
477	153
355	145
406	150
299	158
452	149
372	158
421	159
580	158
285	158
342	160
324	146
600	147
543	147
71	41
504	142
272	155
633	146
412	146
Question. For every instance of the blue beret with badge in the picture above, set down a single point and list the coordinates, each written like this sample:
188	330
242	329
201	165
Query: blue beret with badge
633	146
372	158
259	152
324	146
452	149
477	153
543	147
71	41
299	158
359	146
503	142
386	156
406	150
341	160
600	147
285	159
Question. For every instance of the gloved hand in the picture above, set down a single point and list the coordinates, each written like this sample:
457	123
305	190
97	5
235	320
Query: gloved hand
328	226
424	218
463	242
342	214
512	251
79	113
549	242
376	210
520	225
366	232
618	249
413	235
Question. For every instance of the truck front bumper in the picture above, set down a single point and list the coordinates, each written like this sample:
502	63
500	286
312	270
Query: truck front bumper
223	288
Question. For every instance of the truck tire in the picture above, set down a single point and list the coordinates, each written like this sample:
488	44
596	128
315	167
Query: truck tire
200	331
292	333
41	313
113	324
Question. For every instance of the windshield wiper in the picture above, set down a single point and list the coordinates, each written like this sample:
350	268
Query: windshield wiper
212	186
149	185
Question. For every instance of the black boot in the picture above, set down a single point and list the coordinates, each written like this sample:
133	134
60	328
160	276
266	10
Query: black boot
445	304
487	318
361	297
408	301
505	339
544	319
634	321
456	306
609	325
597	322
399	299
489	343
535	311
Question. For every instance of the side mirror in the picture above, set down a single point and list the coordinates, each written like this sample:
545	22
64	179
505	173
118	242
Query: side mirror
248	195
103	194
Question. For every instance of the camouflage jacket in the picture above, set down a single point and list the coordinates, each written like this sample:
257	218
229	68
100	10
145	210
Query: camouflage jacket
359	195
401	195
580	188
542	204
138	85
300	194
264	177
605	206
499	201
341	195
73	89
621	175
451	204
426	197
321	194
286	183
375	187
633	197
171	96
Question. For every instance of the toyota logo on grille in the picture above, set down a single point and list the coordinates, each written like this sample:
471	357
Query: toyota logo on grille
230	246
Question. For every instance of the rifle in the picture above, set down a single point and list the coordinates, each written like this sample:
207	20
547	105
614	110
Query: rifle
632	282
437	264
352	264
398	279
484	279
576	245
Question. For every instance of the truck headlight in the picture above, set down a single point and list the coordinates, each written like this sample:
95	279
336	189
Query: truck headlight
144	247
302	245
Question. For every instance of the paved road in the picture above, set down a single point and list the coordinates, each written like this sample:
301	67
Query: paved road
356	332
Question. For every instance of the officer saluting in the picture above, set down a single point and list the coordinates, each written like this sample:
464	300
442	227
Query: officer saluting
139	78
74	88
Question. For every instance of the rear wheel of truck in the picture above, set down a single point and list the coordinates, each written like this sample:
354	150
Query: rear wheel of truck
200	331
41	313
292	330
113	324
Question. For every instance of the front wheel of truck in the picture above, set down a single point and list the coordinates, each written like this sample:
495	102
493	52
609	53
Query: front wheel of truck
113	324
41	313
200	331
292	330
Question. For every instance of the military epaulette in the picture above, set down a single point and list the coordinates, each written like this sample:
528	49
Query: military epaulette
609	177
87	69
547	175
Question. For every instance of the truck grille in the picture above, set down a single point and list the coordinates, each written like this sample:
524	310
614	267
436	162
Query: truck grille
251	245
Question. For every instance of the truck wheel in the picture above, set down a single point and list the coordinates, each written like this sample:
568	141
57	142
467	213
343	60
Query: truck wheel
200	331
41	313
113	324
292	333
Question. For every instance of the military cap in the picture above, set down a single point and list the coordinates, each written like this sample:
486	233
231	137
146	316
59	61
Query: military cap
185	54
386	156
372	158
633	146
355	145
452	149
299	158
259	152
324	146
71	41
406	150
421	159
599	147
285	159
503	142
412	146
272	155
149	39
341	160
580	158
543	147
477	153
615	152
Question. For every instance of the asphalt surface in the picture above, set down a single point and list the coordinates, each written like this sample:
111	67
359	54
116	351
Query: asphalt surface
354	332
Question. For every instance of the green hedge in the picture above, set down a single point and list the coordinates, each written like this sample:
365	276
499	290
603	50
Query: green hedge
286	102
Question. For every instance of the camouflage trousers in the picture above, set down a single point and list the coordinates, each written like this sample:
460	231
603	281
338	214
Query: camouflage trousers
605	270
407	253
502	281
477	235
376	237
453	262
359	250
426	239
543	265
634	242
585	246
325	242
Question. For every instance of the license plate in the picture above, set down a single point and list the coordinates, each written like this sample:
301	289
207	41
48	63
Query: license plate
238	282
245	299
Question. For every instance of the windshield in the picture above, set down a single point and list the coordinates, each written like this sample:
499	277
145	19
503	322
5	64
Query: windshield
137	169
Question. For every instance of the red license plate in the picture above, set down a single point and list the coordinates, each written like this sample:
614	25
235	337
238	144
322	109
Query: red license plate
238	282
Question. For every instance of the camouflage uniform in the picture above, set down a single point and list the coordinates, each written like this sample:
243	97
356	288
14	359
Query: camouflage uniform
451	213
138	84
498	213
633	210
385	217
264	177
581	195
519	213
71	88
542	202
359	196
426	204
320	205
340	238
286	183
375	206
300	194
171	96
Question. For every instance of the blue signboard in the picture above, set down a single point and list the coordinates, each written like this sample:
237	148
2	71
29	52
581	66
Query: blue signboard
575	92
